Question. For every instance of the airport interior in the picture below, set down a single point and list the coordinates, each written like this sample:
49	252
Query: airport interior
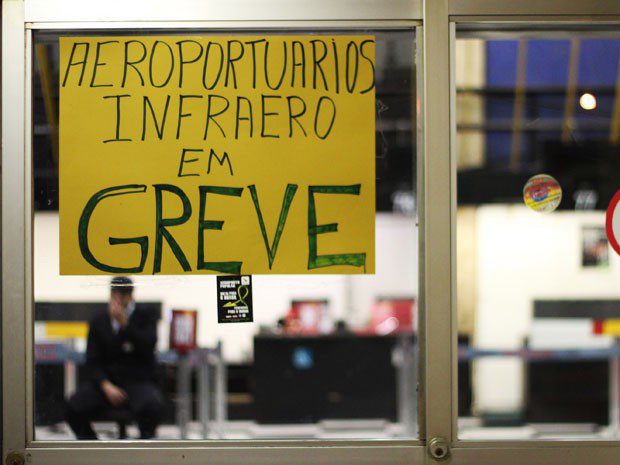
336	356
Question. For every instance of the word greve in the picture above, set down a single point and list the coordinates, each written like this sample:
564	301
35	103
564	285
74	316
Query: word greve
164	228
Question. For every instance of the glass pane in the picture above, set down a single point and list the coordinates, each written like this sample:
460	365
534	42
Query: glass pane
327	356
538	115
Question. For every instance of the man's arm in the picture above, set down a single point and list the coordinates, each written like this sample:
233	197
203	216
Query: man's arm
94	355
94	363
142	333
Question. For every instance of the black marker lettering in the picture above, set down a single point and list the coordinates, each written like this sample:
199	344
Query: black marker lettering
212	114
76	63
266	63
184	160
336	66
225	158
98	64
370	61
117	137
240	118
265	114
317	116
317	60
159	128
183	61
181	114
252	44
133	63
206	66
292	115
351	85
151	64
230	64
296	63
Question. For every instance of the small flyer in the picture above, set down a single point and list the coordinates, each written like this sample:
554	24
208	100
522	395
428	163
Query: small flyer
234	299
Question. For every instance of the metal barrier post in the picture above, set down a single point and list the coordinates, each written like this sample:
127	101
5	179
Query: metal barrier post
70	378
220	390
406	384
183	394
614	392
204	392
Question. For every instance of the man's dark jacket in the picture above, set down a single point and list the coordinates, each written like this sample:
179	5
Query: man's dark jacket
126	356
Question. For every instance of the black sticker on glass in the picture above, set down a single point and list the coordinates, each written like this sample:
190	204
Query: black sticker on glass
234	299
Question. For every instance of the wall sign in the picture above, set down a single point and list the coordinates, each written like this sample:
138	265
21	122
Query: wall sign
183	330
613	223
234	299
217	154
609	327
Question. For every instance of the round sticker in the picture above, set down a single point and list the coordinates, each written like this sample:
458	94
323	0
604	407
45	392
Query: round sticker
542	193
613	223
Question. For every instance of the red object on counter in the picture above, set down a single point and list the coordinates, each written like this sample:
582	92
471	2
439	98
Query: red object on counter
183	330
393	315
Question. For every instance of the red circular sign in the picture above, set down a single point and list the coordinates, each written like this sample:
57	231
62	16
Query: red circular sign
613	223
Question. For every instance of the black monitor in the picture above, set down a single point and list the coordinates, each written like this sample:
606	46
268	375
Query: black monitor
561	391
569	391
313	378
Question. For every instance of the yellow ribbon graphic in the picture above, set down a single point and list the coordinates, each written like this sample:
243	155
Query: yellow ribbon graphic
241	297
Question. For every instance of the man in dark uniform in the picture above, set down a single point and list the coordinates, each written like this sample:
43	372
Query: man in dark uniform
120	360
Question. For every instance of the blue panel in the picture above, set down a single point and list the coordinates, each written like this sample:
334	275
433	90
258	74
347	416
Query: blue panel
547	63
598	64
499	143
501	72
498	148
501	63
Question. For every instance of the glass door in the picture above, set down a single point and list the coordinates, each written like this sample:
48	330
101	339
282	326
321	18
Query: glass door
534	105
370	310
142	345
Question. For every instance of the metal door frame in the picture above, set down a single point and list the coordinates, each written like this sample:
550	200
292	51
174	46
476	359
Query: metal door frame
20	19
525	13
437	212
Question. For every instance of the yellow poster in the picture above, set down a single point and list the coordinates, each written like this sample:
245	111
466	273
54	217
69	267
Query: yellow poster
217	154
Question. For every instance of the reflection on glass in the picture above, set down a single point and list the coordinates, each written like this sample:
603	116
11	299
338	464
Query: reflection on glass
537	286
326	356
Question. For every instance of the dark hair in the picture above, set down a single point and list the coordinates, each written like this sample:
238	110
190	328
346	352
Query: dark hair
122	284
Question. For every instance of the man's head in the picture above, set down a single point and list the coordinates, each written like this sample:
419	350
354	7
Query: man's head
121	290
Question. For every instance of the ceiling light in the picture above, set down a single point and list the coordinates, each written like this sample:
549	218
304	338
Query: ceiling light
587	101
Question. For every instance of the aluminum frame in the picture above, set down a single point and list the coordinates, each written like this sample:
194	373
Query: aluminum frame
436	102
527	14
14	235
19	18
217	10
